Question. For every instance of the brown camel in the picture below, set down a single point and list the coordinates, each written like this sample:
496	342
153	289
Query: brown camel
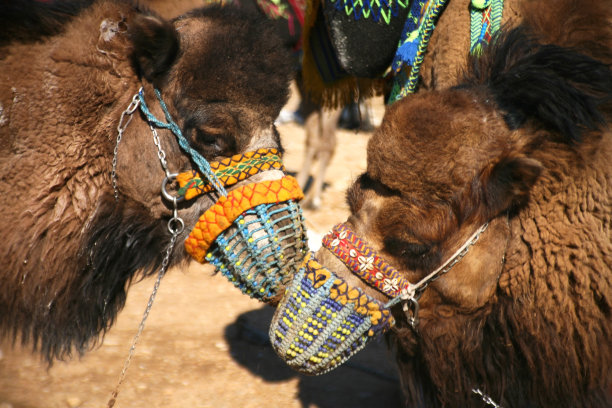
494	198
83	210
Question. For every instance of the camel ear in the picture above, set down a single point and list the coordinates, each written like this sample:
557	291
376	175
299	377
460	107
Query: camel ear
156	46
507	183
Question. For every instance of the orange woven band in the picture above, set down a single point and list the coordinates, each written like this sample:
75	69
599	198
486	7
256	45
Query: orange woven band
221	215
230	171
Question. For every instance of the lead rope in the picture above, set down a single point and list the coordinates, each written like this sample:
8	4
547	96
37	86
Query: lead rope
488	400
175	225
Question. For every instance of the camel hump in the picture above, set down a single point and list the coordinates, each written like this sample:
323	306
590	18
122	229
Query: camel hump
584	25
558	87
31	20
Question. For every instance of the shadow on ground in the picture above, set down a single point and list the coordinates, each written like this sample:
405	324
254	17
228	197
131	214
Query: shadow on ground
368	379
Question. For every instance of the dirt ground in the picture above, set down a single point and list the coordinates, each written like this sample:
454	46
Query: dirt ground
205	344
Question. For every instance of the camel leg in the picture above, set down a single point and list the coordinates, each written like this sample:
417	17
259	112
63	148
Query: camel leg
312	131
325	148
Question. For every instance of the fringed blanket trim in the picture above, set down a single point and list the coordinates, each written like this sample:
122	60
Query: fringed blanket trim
221	215
330	85
485	21
229	171
413	46
324	79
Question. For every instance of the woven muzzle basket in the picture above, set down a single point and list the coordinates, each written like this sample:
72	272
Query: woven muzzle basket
255	236
262	250
322	321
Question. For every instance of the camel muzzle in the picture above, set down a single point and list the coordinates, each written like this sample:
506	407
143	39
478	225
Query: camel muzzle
254	235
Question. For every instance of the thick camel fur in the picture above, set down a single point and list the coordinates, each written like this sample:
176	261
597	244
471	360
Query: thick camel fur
70	249
320	124
521	142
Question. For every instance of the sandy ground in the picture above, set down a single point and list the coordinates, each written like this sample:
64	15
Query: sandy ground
205	344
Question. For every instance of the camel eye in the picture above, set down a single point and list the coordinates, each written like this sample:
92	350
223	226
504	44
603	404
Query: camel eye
213	142
367	182
203	138
403	249
412	255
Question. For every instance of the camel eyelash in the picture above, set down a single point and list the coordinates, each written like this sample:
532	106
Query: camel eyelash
399	247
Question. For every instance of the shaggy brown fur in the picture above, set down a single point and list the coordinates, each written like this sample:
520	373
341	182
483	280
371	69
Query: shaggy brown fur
522	143
70	250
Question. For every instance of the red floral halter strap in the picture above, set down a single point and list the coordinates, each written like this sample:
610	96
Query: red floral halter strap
363	261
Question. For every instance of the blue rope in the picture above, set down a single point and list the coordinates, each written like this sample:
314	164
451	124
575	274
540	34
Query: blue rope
200	161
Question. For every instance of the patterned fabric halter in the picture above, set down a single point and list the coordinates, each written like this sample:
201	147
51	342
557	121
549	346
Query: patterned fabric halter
230	171
366	263
363	261
485	20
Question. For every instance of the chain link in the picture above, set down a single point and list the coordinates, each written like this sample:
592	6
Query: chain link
488	400
175	226
161	154
160	275
123	124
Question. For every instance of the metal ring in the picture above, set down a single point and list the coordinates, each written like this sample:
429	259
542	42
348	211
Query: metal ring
165	192
181	226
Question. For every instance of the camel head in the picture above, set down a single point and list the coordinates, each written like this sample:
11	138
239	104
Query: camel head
118	108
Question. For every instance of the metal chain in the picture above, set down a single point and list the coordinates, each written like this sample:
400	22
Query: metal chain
123	124
488	400
161	154
175	226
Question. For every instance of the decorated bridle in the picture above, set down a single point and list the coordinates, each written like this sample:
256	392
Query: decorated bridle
366	263
267	242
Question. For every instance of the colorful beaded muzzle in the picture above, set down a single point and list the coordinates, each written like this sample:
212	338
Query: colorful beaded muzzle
322	321
255	235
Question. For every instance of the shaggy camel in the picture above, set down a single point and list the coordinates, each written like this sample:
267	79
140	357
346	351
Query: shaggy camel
487	207
83	213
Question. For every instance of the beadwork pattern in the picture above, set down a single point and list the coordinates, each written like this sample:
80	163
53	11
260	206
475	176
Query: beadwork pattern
228	208
363	261
229	171
374	9
485	21
322	321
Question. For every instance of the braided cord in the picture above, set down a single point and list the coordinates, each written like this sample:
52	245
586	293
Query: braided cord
485	21
200	161
406	84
